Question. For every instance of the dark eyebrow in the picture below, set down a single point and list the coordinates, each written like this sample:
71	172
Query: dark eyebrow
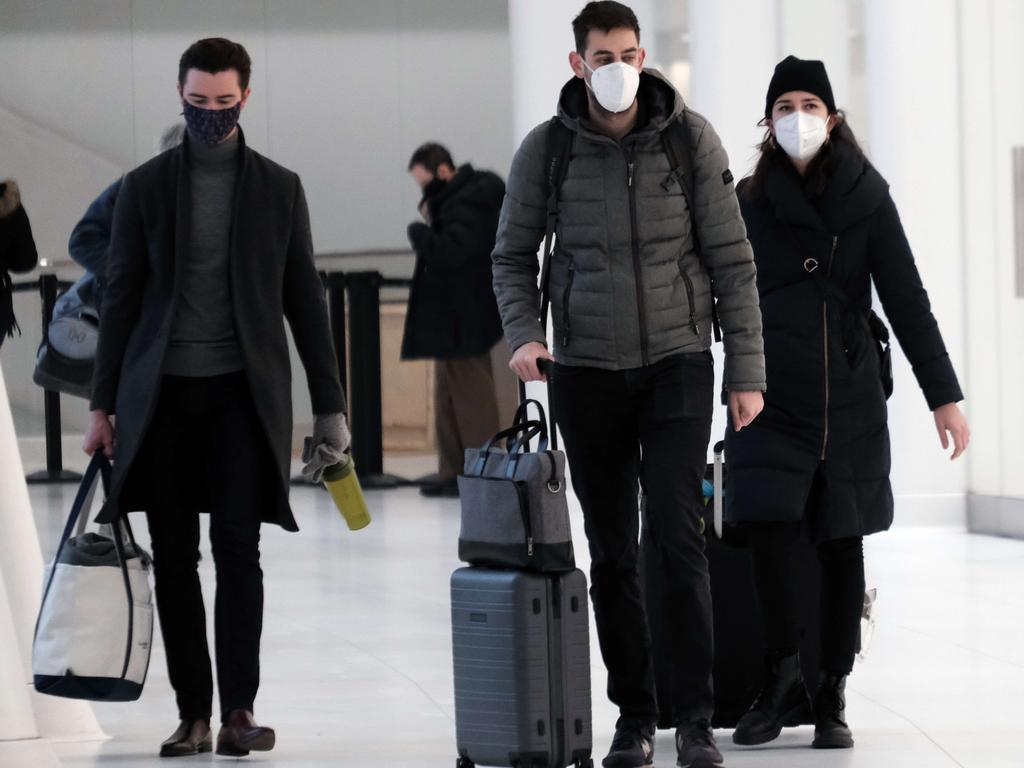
609	53
204	96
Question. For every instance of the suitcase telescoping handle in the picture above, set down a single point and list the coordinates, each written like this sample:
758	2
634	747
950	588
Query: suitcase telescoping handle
719	516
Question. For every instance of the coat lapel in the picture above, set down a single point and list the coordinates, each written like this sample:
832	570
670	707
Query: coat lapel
241	226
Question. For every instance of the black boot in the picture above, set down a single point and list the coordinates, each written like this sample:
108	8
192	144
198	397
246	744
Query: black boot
783	702
830	728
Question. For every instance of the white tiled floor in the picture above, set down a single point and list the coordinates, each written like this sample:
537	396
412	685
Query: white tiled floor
357	659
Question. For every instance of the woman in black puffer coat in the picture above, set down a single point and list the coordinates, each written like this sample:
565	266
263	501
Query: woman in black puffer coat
816	462
17	252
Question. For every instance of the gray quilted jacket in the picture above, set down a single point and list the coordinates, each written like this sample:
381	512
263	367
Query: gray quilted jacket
627	286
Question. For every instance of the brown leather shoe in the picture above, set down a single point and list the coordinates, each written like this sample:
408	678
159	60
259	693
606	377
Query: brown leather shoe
240	735
191	738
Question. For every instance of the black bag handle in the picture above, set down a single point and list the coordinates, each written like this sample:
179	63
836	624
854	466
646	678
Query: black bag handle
523	433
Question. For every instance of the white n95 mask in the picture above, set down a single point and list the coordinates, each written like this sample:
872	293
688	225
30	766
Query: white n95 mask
801	135
614	85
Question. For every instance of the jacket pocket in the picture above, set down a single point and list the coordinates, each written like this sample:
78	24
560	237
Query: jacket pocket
566	295
691	298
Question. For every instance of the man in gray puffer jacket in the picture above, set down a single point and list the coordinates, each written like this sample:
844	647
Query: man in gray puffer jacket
632	304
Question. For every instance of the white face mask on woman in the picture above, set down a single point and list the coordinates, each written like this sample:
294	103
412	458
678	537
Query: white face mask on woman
614	85
801	135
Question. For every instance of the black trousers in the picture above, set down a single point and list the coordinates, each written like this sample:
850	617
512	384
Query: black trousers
650	425
206	450
842	593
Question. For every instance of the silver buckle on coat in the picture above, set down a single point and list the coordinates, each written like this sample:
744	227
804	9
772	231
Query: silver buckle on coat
810	265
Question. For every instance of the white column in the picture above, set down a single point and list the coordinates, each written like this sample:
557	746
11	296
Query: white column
733	51
21	569
819	30
19	736
17	720
914	140
540	33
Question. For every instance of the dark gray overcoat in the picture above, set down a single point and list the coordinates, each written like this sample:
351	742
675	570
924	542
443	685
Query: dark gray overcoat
273	278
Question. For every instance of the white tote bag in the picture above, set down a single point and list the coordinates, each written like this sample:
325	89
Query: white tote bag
95	625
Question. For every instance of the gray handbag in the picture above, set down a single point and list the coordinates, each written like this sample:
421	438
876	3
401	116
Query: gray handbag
514	509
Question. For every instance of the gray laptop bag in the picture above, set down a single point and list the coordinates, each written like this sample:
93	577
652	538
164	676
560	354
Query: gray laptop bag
514	510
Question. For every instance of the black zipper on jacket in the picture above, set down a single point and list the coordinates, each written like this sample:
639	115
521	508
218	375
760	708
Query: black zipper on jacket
824	314
641	310
691	296
566	318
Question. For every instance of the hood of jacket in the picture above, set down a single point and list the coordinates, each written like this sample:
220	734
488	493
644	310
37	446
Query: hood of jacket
660	103
854	191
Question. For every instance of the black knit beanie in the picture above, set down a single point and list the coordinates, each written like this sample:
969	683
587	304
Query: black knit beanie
793	74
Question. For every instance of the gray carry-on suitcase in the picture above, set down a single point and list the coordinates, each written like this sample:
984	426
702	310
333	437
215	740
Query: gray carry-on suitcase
521	653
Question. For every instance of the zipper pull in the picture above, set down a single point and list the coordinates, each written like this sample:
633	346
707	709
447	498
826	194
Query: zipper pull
629	180
529	546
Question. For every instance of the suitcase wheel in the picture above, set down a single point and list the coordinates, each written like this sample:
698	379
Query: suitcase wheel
464	762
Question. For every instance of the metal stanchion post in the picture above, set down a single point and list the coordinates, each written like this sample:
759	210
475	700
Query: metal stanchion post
334	283
339	324
366	406
54	472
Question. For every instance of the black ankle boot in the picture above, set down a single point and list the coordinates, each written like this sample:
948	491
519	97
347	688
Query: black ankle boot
783	702
830	728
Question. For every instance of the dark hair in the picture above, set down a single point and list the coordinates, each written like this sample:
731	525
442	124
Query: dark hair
213	55
432	156
604	15
816	177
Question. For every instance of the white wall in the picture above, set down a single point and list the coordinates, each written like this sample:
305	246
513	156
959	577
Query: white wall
911	57
992	122
343	92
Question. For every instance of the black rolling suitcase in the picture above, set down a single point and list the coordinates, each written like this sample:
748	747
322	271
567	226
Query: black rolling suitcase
739	644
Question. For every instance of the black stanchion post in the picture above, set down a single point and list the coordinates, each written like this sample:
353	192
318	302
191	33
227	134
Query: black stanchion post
334	284
54	472
365	406
339	324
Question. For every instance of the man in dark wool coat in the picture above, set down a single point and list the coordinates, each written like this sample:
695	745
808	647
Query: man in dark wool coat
453	315
210	252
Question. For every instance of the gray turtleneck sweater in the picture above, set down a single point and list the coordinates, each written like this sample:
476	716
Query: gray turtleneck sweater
203	340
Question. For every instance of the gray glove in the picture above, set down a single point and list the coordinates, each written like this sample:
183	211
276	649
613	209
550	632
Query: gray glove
327	446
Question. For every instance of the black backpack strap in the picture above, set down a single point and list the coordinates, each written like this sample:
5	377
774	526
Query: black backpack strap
676	142
559	147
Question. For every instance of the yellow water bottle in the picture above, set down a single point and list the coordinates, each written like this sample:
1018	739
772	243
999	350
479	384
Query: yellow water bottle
343	485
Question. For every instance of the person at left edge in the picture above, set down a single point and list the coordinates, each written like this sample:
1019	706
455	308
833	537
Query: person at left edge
17	252
210	253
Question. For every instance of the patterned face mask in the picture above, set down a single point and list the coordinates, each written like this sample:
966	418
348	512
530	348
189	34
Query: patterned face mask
210	126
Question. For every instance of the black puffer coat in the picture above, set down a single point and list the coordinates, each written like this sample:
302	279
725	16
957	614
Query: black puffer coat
452	309
821	446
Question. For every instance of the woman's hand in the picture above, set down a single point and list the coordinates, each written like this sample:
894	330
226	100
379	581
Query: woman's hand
950	420
744	407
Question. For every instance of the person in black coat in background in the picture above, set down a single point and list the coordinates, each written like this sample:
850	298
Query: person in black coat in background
91	236
17	252
816	463
453	314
